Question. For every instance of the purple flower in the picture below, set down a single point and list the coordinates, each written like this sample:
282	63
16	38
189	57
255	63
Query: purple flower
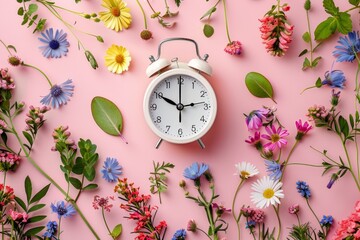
62	209
55	45
59	94
254	120
111	169
334	79
348	48
195	171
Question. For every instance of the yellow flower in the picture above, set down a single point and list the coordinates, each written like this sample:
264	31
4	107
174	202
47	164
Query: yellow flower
117	59
118	15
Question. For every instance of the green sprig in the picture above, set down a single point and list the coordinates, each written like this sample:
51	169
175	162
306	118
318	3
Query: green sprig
158	178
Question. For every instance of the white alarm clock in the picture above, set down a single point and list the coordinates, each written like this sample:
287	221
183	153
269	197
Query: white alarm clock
179	104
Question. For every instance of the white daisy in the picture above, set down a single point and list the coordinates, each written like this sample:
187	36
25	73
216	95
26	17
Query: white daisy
246	170
266	192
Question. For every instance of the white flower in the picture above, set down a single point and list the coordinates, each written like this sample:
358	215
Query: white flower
266	192
246	170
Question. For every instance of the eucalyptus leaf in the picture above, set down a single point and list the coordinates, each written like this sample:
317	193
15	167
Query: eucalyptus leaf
306	37
116	232
259	86
107	116
208	30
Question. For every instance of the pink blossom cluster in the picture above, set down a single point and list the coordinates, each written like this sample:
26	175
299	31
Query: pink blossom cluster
102	202
7	196
8	161
17	216
233	48
276	33
6	82
139	210
253	214
61	135
35	117
349	228
317	112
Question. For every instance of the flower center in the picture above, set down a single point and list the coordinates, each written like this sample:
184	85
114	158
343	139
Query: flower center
56	91
61	211
54	44
244	174
268	193
115	11
119	59
109	170
275	138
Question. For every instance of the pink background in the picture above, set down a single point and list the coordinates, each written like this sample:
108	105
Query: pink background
225	144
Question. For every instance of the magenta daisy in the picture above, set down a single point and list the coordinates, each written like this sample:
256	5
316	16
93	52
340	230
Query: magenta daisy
276	137
302	129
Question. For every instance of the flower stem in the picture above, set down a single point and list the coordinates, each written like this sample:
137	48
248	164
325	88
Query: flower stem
353	8
308	203
106	225
297	216
305	164
59	229
38	69
276	209
143	13
349	162
4	178
204	232
357	90
288	158
7	48
307	89
226	22
310	37
237	218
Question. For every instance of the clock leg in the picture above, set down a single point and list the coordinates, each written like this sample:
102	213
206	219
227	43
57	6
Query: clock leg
158	143
202	145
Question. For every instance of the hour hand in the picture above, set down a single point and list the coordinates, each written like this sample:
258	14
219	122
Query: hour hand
169	101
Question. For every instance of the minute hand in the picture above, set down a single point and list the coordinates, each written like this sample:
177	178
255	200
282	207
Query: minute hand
193	104
169	101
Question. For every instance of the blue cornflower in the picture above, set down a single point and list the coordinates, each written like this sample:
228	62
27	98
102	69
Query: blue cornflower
273	169
59	94
348	48
303	189
179	235
111	169
334	79
55	45
250	224
51	229
63	210
195	171
327	221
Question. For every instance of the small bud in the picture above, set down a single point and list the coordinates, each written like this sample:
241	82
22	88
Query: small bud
87	16
155	15
182	184
93	15
307	5
146	34
97	20
15	61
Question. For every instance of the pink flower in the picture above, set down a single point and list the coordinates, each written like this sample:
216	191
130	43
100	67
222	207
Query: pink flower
258	216
302	129
285	7
254	120
16	216
191	226
220	209
233	48
294	209
100	202
276	137
9	161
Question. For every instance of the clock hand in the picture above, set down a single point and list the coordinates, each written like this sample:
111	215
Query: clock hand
179	82
193	104
169	101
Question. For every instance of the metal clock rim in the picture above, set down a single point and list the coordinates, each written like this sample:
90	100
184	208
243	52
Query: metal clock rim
149	91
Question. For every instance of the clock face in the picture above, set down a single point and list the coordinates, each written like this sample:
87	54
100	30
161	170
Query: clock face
180	106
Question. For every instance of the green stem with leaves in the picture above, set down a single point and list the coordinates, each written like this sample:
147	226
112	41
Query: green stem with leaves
357	100
351	170
226	22
106	225
237	218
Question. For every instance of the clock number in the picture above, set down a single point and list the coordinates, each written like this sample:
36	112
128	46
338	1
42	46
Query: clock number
180	131
158	95
193	128
180	80
167	84
167	128
203	119
202	93
153	107
193	84
158	119
206	106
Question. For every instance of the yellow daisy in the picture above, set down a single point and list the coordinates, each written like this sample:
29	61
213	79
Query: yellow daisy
117	59
118	15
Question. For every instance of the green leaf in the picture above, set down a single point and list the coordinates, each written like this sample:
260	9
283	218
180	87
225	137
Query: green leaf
75	182
354	2
39	195
344	126
178	2
19	1
325	29
306	64
316	61
89	173
351	120
330	7
306	37
28	137
21	203
208	30
303	52
20	11
100	39
344	23
91	59
36	207
28	188
32	8
4	137
33	231
116	232
90	187
318	83
209	12
79	166
36	219
259	86
107	116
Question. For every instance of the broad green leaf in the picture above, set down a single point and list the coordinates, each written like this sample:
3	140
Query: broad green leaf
34	231
208	30
107	116
116	232
344	23
36	219
32	8
89	173
79	166
28	188
330	7
354	2
75	182
36	207
325	29
90	187
21	203
259	86
344	126
209	12
39	195
306	37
